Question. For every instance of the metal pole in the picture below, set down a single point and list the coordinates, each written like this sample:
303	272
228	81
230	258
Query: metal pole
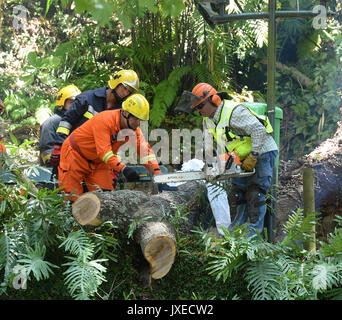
220	19
271	100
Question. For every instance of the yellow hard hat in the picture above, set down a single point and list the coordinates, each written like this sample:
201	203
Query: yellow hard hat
127	77
137	105
68	92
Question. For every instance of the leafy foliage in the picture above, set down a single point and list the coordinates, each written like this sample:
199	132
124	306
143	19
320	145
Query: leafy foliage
278	271
35	228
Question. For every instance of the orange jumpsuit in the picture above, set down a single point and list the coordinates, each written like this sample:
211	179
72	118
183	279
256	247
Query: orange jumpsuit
2	147
90	153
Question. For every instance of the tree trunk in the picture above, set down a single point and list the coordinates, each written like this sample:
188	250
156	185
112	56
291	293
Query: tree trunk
326	160
151	213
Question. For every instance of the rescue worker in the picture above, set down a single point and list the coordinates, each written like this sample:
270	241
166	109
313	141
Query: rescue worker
2	109
90	102
97	142
65	97
239	129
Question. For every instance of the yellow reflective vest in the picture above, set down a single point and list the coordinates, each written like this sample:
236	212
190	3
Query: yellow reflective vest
222	132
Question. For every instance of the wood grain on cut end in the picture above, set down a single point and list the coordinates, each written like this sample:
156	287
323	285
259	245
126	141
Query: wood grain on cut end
160	252
86	208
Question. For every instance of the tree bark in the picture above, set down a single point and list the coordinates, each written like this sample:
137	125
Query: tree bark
151	213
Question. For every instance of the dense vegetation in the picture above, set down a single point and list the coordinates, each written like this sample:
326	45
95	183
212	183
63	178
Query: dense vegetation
170	46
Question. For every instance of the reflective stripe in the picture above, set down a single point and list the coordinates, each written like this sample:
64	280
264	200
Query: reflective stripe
90	113
63	130
64	127
148	158
65	124
107	156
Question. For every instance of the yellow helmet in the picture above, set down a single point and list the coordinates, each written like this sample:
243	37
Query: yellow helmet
127	77
68	92
137	105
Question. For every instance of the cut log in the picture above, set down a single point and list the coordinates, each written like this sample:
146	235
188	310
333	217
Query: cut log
151	213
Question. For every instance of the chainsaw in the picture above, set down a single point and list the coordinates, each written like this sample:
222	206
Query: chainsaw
231	169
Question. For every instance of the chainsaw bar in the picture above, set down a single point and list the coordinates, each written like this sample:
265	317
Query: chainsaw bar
197	175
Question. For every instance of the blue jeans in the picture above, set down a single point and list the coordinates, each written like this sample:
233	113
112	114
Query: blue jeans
252	194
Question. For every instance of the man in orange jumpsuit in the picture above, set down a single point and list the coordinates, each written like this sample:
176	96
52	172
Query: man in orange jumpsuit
98	141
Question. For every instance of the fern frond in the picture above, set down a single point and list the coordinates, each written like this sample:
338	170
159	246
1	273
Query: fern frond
262	278
324	276
8	253
299	227
333	247
83	277
259	30
34	262
77	243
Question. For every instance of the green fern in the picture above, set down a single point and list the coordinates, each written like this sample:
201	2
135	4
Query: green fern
77	243
33	261
299	227
325	276
263	280
165	94
8	252
84	274
333	246
83	277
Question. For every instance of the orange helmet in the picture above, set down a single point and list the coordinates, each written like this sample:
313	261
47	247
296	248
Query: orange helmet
205	91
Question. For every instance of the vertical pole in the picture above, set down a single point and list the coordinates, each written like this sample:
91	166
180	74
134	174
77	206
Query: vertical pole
309	204
271	61
271	100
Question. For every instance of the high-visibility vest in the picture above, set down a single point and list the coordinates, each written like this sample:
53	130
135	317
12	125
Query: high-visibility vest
241	145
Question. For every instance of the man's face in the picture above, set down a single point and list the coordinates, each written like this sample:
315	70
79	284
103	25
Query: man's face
206	109
132	122
122	91
68	103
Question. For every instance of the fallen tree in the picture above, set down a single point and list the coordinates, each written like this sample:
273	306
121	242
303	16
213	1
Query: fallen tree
326	160
151	214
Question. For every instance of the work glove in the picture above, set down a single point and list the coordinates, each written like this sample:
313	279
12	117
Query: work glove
165	187
249	163
55	155
130	174
115	178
